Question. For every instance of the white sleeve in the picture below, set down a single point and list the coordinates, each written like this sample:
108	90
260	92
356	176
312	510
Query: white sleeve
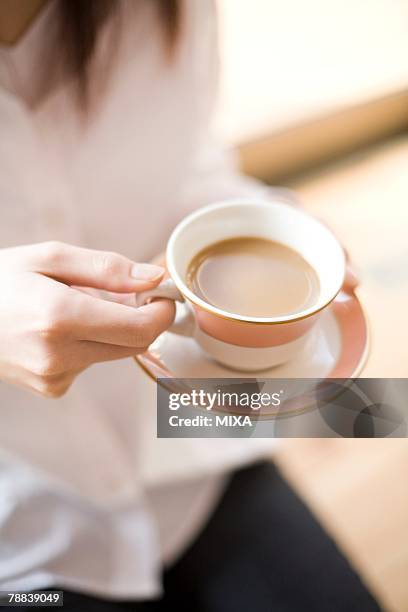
216	177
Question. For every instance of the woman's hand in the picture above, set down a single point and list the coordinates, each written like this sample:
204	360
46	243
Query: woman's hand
50	331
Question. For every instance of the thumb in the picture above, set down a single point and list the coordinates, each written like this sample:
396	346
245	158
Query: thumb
100	269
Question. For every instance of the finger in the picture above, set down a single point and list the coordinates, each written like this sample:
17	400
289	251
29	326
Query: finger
50	386
160	260
83	353
129	299
99	269
97	293
110	323
96	352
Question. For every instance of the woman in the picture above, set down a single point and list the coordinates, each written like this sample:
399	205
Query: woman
104	111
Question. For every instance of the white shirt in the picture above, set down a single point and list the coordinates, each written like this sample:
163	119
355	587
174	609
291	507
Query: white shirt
89	497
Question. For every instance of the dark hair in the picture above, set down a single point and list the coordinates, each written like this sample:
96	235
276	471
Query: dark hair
80	22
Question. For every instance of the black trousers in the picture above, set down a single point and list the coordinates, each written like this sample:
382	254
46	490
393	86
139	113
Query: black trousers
261	551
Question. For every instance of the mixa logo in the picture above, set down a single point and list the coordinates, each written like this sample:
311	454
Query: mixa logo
233	421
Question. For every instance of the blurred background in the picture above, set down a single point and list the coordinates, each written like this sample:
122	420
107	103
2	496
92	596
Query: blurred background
314	96
290	62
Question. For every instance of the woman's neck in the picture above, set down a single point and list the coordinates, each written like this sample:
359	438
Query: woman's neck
15	17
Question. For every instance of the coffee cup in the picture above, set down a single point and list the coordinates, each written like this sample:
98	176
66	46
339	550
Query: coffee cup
243	342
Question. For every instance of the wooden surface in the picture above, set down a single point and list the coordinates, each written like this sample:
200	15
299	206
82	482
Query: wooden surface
359	488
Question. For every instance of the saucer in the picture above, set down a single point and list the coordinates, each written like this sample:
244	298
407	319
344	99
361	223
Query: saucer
337	347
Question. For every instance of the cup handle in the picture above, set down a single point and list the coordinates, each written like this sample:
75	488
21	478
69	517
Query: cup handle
184	323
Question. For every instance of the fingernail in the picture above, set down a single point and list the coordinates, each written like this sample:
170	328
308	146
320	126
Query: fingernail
146	272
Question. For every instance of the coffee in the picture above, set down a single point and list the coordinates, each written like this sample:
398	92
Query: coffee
253	277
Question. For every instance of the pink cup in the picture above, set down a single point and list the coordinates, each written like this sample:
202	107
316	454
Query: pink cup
242	342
